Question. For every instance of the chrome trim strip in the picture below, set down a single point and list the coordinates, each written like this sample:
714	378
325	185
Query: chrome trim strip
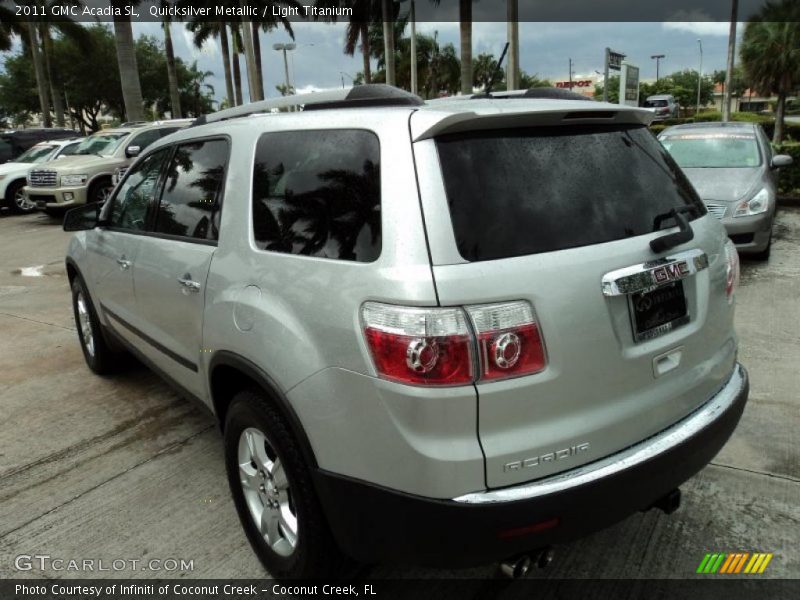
631	457
645	276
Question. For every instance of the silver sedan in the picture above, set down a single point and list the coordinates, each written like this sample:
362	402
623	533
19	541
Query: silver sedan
733	169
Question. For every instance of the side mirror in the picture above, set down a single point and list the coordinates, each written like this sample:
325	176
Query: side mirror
781	160
132	151
82	218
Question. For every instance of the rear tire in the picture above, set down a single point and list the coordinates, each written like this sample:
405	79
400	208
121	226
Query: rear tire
99	356
16	199
273	493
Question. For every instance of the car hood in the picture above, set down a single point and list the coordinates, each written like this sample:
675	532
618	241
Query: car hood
727	185
80	164
15	167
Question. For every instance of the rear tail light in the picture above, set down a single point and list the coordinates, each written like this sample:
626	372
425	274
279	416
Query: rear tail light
436	346
509	342
731	270
430	346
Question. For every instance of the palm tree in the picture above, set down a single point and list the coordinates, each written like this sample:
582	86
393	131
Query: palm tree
771	55
728	83
126	60
236	38
388	15
204	30
172	75
38	67
465	31
364	13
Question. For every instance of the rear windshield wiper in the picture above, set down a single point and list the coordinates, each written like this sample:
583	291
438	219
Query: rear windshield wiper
673	239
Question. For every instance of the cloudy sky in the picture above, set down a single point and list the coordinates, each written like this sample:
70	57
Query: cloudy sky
545	48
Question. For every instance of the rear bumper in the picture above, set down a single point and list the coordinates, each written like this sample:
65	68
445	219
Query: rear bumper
375	524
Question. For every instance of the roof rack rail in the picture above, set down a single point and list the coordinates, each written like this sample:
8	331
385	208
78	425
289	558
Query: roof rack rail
358	96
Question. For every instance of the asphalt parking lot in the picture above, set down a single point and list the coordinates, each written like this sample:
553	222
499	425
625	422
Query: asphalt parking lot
122	468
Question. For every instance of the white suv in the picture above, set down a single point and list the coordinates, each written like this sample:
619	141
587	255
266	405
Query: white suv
443	333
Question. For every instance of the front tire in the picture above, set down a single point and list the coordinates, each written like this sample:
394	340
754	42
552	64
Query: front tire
272	489
16	199
100	191
100	358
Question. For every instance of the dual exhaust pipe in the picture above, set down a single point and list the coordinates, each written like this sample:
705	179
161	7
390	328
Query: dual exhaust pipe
519	566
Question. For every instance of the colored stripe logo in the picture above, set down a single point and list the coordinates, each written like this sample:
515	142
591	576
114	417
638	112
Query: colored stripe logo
734	563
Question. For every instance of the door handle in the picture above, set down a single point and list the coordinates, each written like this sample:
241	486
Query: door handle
123	263
187	283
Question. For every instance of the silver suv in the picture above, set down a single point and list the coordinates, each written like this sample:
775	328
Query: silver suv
445	333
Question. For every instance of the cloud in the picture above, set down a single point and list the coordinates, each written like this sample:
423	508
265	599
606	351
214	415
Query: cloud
696	23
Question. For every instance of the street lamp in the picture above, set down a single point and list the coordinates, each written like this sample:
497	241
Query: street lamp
699	76
284	48
657	58
342	74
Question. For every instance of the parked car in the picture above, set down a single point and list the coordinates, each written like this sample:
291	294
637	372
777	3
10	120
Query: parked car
15	142
734	170
415	353
13	174
88	175
663	106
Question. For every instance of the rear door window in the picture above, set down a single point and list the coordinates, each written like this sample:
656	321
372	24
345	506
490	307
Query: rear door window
532	190
192	197
317	193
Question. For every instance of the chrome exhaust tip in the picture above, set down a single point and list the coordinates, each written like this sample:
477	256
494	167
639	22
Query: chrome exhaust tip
517	567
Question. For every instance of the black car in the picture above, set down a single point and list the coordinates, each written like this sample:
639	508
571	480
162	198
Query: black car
15	142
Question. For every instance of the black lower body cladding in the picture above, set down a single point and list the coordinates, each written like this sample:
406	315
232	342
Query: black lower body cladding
375	524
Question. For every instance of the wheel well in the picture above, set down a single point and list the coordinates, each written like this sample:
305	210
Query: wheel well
97	181
72	273
10	187
227	380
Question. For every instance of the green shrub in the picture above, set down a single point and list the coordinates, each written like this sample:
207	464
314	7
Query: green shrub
789	178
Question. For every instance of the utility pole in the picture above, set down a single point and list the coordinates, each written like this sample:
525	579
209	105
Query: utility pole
388	40
657	58
605	76
699	76
726	93
512	17
570	74
413	49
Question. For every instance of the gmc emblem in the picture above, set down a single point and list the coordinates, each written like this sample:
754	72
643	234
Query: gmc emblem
670	272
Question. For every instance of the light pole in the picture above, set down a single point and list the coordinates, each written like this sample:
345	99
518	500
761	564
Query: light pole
699	76
284	48
342	74
657	58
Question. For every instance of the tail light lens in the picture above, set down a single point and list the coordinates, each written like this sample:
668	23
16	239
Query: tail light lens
431	346
509	341
435	346
731	270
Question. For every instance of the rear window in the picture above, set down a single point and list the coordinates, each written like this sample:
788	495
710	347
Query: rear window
654	103
713	150
526	191
317	193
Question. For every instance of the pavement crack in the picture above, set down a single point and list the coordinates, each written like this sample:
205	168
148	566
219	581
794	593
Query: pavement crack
773	475
37	321
166	450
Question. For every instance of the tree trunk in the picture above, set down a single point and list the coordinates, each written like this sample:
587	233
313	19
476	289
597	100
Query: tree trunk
780	109
226	59
365	51
257	54
388	40
726	91
52	81
513	45
465	28
172	74
249	57
128	69
38	67
237	76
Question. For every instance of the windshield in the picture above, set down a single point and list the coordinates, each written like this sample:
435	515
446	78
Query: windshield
103	144
525	191
35	154
713	150
654	103
70	149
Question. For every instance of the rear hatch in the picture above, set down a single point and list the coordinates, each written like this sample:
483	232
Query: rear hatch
562	216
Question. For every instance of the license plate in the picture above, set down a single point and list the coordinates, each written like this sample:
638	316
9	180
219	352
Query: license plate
658	311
